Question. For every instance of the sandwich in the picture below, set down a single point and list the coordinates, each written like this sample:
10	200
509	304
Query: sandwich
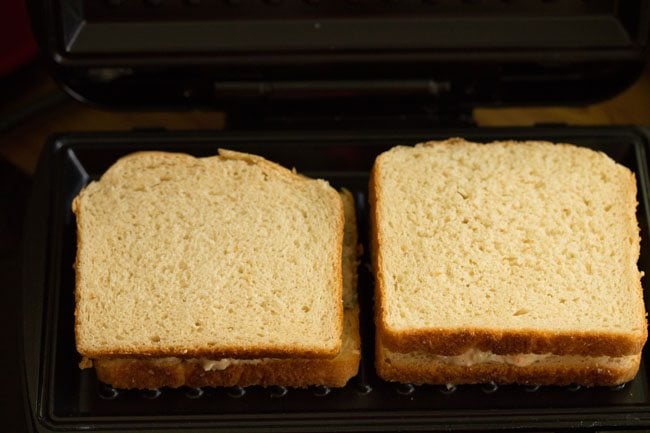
508	262
219	271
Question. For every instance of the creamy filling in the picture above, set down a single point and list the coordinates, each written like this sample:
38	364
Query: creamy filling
222	364
475	356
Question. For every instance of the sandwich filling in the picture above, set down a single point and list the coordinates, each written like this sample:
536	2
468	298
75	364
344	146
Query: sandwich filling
206	364
477	357
222	364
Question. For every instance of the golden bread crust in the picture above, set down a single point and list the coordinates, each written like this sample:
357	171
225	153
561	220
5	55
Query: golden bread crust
126	373
455	342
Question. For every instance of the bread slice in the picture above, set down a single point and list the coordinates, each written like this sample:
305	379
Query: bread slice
299	372
508	248
226	256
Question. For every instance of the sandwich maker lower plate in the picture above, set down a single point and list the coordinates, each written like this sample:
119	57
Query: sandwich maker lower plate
61	397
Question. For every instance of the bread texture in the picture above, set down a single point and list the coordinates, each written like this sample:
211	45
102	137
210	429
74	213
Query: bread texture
508	248
299	372
218	257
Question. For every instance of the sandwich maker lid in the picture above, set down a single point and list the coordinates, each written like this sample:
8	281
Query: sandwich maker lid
436	59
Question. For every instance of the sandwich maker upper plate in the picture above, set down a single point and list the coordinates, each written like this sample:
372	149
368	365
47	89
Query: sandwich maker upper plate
61	397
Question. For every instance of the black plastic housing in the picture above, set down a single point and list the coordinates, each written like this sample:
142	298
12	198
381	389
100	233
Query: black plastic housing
342	56
61	397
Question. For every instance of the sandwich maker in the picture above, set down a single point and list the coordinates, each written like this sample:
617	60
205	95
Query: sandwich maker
323	86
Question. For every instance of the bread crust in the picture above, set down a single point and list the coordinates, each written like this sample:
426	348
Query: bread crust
443	341
454	342
374	199
541	373
155	373
142	374
206	352
233	351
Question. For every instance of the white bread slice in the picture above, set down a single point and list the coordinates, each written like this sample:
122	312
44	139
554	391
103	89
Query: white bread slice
226	256
335	372
509	248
